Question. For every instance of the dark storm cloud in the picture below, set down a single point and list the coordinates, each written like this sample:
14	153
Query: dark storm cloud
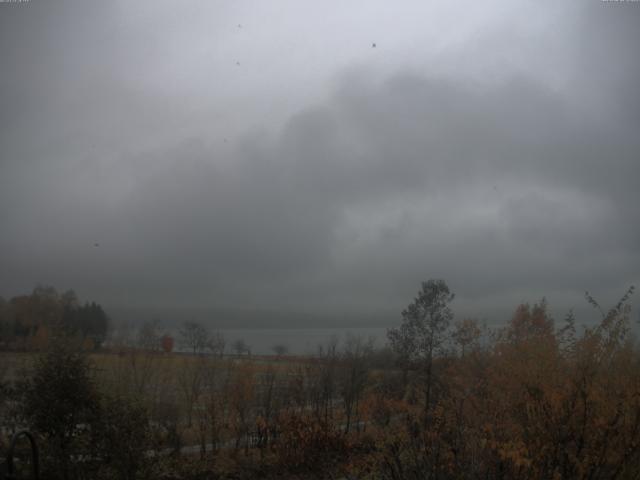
510	188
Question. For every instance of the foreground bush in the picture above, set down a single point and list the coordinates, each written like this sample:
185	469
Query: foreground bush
307	444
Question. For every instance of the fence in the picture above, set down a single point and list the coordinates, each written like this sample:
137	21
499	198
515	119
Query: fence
10	473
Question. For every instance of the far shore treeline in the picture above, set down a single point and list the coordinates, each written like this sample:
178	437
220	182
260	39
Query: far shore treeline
29	321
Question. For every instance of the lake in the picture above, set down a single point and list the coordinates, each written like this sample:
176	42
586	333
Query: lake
299	341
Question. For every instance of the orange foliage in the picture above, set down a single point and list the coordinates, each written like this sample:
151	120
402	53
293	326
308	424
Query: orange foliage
166	343
530	407
306	443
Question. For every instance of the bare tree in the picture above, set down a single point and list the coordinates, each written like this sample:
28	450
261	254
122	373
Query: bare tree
214	399
241	347
322	381
194	336
354	375
191	381
149	336
242	400
280	349
268	405
217	344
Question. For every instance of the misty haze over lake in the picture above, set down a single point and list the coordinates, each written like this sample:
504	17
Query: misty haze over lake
281	240
320	162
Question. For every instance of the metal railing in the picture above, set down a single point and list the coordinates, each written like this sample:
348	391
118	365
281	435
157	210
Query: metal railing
35	466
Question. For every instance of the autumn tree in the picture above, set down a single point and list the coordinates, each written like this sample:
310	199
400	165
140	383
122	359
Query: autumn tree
384	399
530	322
41	307
36	318
568	403
306	445
167	343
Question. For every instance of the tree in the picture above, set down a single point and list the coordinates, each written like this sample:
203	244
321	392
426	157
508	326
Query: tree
191	380
354	376
215	400
148	336
466	334
268	404
422	332
241	347
86	321
217	343
280	349
6	327
530	323
58	400
123	435
45	313
194	336
321	377
241	401
167	343
41	339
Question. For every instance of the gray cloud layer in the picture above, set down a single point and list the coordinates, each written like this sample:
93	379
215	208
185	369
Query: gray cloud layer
504	161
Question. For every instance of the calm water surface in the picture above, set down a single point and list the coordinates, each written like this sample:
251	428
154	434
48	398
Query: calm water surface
299	341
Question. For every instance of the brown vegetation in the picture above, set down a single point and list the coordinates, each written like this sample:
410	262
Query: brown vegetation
531	400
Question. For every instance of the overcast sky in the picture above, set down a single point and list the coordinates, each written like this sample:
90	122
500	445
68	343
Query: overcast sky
320	156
